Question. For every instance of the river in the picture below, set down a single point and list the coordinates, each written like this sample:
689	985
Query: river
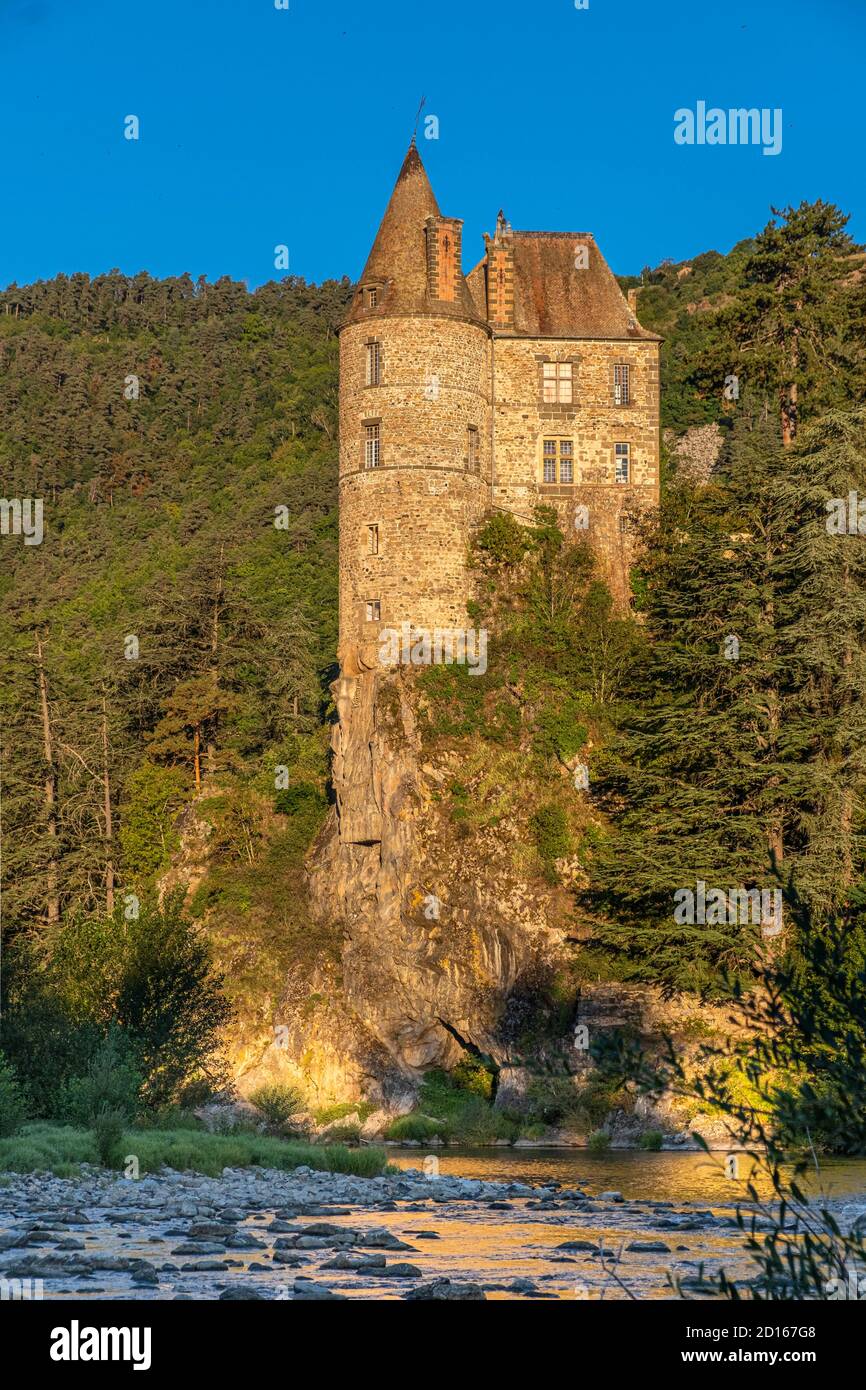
666	1177
647	1225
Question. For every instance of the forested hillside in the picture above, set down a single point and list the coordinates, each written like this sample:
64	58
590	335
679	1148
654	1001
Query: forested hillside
178	623
175	631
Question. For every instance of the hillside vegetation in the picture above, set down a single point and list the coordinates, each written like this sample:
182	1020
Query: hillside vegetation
165	653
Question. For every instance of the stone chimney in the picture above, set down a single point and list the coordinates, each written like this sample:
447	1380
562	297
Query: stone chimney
500	275
444	256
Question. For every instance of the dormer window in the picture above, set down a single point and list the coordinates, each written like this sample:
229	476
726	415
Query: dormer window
371	296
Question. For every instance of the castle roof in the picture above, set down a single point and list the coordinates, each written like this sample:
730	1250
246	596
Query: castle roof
553	298
397	264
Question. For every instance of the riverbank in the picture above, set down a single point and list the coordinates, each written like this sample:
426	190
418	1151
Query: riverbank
264	1234
62	1149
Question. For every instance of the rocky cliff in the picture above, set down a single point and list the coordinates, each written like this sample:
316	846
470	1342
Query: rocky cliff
421	935
438	928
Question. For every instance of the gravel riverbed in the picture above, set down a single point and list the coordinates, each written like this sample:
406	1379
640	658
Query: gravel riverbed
302	1235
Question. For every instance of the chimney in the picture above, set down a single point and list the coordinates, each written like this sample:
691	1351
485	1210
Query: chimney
500	275
444	257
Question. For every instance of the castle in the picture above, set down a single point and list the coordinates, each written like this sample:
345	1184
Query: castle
527	381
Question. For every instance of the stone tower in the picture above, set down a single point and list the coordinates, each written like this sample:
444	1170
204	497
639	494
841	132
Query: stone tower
415	448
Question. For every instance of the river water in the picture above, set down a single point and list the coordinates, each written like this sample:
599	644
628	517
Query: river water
497	1247
666	1177
672	1226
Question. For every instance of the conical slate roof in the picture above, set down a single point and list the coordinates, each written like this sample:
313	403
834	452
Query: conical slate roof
397	264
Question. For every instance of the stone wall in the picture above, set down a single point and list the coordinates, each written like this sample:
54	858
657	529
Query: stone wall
594	425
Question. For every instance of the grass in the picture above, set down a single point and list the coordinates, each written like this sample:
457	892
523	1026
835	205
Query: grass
652	1140
60	1149
456	1105
327	1114
598	1142
417	1126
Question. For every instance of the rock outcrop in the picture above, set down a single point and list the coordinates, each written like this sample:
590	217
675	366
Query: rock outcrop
438	928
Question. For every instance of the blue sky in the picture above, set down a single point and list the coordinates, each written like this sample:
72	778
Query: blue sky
261	127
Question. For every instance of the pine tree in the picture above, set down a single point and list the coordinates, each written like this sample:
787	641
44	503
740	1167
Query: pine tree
741	757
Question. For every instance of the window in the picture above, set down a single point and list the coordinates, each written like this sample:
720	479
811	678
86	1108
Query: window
372	540
371	294
372	445
550	460
558	461
374	610
566	461
374	360
621	385
472	456
622	455
556	383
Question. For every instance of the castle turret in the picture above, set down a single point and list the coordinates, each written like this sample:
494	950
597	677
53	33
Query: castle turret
415	422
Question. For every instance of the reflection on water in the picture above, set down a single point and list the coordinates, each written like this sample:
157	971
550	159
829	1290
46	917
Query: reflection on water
666	1177
495	1247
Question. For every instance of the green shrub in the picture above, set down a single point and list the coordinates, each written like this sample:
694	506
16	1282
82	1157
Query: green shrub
46	1045
444	1093
555	1099
416	1126
169	1117
558	731
111	1084
501	541
479	1123
459	1103
342	1134
652	1140
108	1127
326	1114
598	1141
471	1075
278	1103
50	1148
151	978
148	837
550	833
47	1148
13	1109
301	798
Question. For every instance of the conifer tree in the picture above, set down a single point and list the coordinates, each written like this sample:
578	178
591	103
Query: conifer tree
741	755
